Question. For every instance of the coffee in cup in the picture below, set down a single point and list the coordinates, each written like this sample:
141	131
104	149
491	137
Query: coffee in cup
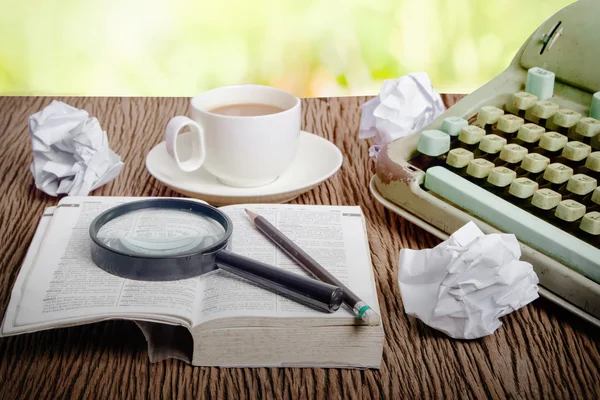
244	135
247	109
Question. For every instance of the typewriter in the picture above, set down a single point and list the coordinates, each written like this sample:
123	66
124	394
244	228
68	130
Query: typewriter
519	155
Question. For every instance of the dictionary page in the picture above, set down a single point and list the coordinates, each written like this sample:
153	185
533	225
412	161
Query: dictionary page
335	236
59	284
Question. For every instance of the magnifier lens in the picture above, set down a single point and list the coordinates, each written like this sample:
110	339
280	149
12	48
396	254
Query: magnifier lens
159	231
168	239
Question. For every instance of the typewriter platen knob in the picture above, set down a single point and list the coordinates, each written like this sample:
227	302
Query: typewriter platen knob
540	83
433	143
595	107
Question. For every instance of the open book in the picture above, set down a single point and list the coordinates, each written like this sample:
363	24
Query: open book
216	319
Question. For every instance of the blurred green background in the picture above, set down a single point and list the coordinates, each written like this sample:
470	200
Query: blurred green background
309	47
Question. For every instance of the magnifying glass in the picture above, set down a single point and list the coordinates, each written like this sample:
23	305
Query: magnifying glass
172	239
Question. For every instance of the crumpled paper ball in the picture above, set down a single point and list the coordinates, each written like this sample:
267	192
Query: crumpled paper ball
70	151
465	284
404	106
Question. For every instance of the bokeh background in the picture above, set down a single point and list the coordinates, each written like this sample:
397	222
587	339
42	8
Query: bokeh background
312	48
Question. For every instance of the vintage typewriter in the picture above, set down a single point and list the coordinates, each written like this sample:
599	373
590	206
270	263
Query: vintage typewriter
520	155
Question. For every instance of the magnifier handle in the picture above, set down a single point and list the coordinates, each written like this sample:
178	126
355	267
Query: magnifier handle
311	292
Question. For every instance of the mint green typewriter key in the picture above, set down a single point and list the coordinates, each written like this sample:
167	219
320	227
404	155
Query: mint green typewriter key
513	153
544	109
581	184
488	115
471	135
546	199
540	83
569	210
509	123
590	223
523	188
501	176
491	144
588	127
595	106
433	143
453	125
459	158
479	168
566	118
523	100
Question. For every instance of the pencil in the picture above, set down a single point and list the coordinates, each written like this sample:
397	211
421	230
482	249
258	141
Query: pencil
359	307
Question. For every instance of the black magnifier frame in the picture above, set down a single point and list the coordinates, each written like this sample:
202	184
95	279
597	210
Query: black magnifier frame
132	265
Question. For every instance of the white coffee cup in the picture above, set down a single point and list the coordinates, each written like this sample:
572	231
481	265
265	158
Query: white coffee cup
240	151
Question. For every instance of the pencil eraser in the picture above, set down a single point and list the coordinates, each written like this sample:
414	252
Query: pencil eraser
371	318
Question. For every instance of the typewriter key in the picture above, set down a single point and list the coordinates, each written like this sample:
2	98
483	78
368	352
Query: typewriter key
586	129
551	144
489	147
452	126
554	176
574	154
544	109
458	159
546	199
508	125
570	210
590	225
543	202
511	154
522	189
565	119
533	165
579	187
568	214
522	101
500	178
592	165
432	147
488	116
529	134
595	206
470	136
479	169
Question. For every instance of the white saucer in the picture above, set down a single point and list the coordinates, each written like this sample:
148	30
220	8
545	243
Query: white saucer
316	160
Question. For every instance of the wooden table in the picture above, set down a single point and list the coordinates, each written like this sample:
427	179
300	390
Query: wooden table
540	351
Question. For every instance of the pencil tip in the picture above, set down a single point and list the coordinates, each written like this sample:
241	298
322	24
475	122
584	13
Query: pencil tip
250	214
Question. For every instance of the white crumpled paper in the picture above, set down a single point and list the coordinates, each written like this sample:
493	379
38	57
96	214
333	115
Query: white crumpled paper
466	283
70	151
404	106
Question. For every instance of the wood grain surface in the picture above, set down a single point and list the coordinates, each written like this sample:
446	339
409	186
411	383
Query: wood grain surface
540	351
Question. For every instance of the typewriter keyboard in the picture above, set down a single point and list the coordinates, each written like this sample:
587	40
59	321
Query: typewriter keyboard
530	168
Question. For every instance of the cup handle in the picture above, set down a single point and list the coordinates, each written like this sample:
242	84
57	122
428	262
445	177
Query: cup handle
175	126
